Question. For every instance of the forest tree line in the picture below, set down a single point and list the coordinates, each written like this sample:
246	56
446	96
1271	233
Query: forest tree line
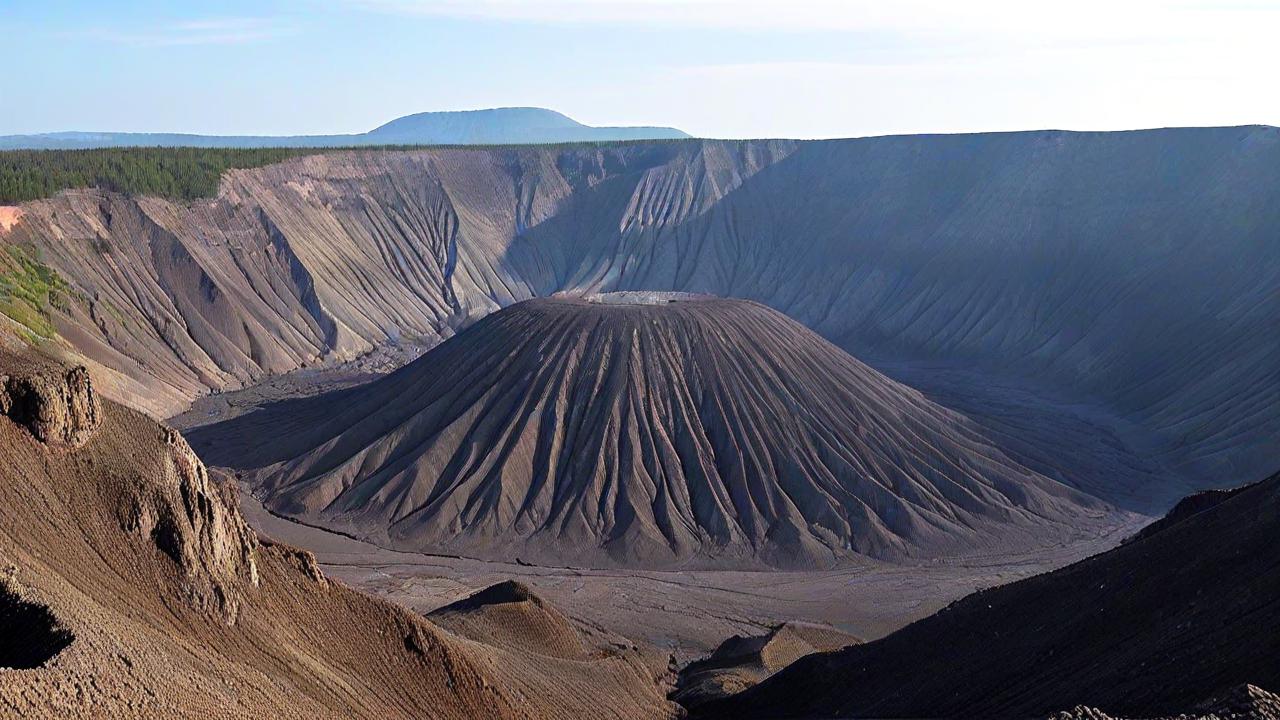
176	173
182	173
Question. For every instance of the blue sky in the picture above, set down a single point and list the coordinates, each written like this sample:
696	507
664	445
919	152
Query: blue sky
722	68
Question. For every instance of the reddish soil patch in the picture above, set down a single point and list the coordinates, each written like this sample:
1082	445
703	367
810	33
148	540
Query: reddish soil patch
9	216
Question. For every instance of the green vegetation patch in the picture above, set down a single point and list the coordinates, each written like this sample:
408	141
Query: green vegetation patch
176	173
28	288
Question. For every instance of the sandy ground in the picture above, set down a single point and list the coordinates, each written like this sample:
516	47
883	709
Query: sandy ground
9	216
689	612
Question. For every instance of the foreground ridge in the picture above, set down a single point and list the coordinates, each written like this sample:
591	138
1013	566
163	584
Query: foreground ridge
1148	629
130	586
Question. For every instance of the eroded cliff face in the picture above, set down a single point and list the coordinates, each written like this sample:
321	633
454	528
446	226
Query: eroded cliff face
197	524
57	405
130	586
328	257
193	521
1135	270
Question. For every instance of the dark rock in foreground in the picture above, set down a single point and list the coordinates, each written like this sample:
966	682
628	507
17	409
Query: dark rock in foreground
1148	629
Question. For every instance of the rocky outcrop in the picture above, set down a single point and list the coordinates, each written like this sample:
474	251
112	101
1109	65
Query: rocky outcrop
197	524
304	560
56	405
190	518
9	216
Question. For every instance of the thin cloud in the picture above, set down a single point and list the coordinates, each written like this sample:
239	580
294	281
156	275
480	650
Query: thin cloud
1101	19
207	31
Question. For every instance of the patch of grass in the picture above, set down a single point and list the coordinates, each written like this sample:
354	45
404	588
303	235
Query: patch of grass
115	313
28	288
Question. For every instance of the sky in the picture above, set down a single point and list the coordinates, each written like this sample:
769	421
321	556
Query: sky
714	68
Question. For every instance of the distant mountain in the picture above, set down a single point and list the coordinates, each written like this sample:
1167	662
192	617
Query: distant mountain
499	126
503	126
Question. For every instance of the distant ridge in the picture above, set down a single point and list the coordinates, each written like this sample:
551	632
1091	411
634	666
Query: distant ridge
497	126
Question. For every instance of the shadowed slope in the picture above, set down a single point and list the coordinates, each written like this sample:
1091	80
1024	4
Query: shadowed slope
30	635
644	434
130	586
1150	628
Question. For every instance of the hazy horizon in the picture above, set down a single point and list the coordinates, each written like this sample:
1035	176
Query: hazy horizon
692	136
712	68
